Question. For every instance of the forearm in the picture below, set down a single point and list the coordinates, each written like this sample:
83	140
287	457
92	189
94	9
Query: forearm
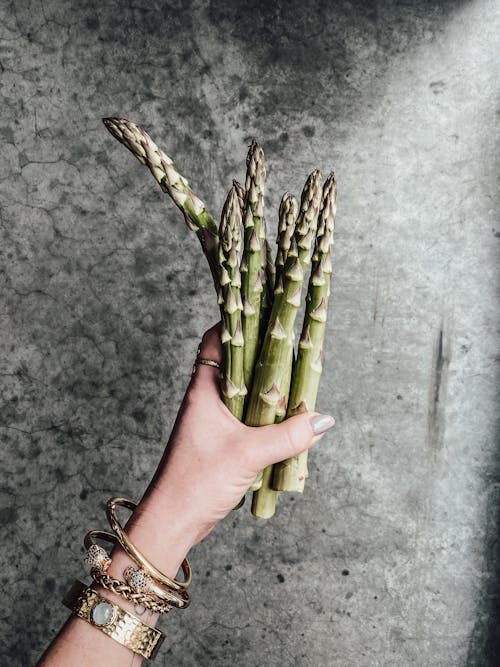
208	465
161	531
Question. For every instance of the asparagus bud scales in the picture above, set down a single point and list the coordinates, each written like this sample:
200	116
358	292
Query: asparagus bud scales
290	475
279	335
272	372
162	167
240	191
268	280
252	261
233	387
286	226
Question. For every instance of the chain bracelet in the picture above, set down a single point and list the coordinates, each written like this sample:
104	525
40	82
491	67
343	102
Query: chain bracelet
121	588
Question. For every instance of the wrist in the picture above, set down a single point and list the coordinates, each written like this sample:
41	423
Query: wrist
162	531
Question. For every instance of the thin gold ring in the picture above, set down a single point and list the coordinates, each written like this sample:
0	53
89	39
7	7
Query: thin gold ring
207	362
136	555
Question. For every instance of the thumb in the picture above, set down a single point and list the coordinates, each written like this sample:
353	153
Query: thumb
278	442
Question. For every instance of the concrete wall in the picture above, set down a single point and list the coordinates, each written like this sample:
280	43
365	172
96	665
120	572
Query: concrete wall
391	556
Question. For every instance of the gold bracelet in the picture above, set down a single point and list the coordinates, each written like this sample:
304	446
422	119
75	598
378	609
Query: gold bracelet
96	556
112	620
136	555
139	582
129	593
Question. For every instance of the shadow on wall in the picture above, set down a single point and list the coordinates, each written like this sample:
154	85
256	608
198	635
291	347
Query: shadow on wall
484	644
298	59
325	44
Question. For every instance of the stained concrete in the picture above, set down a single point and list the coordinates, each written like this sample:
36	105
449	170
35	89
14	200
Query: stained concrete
391	556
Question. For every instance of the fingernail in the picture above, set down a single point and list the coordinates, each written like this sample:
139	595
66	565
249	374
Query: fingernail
321	423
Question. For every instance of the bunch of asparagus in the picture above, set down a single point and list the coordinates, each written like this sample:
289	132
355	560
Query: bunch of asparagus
264	380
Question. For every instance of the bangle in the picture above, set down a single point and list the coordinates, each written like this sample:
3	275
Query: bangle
96	556
140	587
112	620
141	581
136	555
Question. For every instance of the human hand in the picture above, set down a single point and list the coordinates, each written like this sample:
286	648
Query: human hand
212	459
209	463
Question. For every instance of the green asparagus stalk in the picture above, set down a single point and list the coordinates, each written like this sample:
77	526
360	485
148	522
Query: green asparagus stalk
290	475
286	226
267	275
233	386
270	273
197	218
272	373
259	298
252	260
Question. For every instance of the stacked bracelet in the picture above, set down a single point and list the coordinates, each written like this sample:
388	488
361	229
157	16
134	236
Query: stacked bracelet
138	581
145	586
127	592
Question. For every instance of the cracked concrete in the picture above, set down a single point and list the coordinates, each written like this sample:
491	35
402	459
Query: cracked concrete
391	557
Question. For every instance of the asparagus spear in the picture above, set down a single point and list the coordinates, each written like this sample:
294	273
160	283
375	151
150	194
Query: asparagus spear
267	258
286	226
267	276
233	386
197	218
273	371
268	273
252	262
290	475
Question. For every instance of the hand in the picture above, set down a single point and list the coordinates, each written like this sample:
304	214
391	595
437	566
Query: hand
210	461
212	458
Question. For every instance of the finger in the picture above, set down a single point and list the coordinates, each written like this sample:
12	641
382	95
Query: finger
210	346
279	442
210	349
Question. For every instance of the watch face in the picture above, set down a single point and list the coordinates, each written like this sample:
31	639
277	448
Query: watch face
103	614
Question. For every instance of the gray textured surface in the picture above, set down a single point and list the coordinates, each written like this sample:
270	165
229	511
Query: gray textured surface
95	350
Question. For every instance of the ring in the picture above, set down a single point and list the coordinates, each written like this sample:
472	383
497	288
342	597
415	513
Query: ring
205	362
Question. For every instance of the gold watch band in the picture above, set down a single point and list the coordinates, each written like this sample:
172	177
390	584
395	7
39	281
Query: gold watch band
120	625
